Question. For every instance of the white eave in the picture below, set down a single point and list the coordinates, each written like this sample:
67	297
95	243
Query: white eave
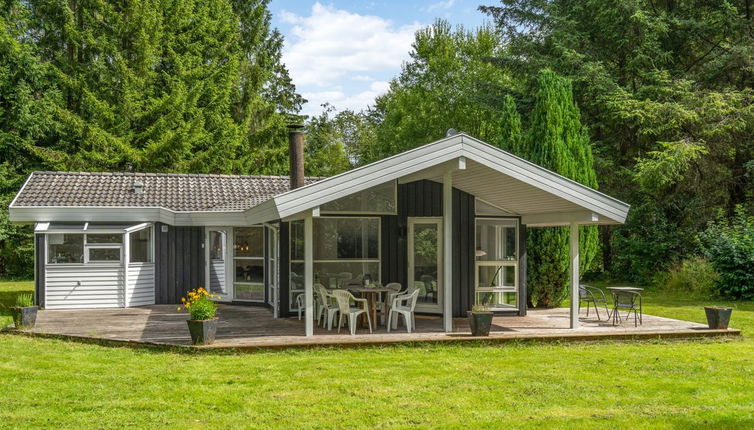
568	201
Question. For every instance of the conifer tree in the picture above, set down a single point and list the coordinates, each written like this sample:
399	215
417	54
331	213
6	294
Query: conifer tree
510	126
558	141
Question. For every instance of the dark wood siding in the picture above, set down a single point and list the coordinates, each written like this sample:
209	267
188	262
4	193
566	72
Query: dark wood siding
424	199
39	269
179	262
463	252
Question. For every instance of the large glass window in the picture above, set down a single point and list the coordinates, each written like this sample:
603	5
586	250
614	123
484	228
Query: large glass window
248	261
497	262
379	199
140	246
346	250
65	248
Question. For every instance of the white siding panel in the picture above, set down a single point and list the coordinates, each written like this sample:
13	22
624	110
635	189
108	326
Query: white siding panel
140	288
78	286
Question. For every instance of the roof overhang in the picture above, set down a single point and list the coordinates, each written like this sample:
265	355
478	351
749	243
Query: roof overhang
31	214
540	197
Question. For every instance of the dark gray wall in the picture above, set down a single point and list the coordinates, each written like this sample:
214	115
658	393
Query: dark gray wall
179	262
39	269
424	199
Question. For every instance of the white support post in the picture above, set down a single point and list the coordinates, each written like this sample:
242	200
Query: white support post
447	198
574	253
309	275
126	262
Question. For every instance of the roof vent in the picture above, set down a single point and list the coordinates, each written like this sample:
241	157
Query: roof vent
451	132
138	187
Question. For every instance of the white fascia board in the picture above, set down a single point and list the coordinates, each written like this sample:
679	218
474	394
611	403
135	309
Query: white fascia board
261	213
544	179
19	191
556	219
362	178
119	214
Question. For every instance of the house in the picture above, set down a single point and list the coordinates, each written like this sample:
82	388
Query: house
449	217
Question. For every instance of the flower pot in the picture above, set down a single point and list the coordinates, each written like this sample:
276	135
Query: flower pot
24	317
202	331
480	323
718	317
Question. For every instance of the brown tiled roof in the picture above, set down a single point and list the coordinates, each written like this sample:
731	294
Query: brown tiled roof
178	192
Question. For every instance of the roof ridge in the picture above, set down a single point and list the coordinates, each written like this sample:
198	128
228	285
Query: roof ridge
169	174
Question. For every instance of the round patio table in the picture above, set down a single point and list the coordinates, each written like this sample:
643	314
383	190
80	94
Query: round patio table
373	296
616	291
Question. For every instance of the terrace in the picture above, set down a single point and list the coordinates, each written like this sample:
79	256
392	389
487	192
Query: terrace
251	327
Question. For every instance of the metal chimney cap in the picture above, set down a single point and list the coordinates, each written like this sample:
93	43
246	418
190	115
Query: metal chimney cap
295	127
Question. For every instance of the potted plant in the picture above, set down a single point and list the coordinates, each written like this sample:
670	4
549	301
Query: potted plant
203	310
24	313
480	320
718	317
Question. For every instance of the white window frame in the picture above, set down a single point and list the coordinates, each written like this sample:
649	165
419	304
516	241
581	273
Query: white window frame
127	243
498	263
262	259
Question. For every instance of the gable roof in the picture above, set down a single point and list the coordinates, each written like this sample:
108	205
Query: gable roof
493	175
175	192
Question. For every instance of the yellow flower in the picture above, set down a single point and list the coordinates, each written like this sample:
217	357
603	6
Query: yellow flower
178	309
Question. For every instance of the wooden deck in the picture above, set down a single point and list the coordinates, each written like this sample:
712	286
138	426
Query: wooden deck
248	327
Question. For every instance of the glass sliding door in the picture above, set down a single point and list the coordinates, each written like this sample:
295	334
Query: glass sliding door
217	256
425	262
248	263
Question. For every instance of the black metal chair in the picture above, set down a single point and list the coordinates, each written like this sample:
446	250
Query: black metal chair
631	301
593	296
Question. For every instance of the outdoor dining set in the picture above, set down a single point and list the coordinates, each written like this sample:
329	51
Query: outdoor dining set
626	299
340	305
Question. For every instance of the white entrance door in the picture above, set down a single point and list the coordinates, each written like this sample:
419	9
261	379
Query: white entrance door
217	263
425	262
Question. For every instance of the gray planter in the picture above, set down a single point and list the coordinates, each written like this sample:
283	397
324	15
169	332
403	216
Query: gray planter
718	317
480	323
24	317
202	331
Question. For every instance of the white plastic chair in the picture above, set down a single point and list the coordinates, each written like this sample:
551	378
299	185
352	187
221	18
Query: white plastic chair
344	299
300	304
390	295
326	306
403	305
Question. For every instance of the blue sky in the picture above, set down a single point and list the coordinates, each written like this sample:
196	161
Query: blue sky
345	52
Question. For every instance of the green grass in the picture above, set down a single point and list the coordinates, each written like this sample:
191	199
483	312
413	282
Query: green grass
666	385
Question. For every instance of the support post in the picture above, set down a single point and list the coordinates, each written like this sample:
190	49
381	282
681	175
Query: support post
574	253
309	275
447	248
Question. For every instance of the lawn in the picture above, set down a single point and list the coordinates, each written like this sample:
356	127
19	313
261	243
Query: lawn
666	385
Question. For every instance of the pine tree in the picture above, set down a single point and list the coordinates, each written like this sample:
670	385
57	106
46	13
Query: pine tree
559	142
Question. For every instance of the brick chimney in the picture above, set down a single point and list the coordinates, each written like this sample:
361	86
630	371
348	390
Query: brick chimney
296	154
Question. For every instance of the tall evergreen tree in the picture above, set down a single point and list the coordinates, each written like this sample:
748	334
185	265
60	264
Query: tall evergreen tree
510	126
558	141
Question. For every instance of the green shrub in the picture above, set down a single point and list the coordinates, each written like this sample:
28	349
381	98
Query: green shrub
203	309
694	275
729	245
25	300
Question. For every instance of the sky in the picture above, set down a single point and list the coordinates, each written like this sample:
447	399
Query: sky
345	52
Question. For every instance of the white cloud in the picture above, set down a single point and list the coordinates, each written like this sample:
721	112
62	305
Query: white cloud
440	5
341	100
332	50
